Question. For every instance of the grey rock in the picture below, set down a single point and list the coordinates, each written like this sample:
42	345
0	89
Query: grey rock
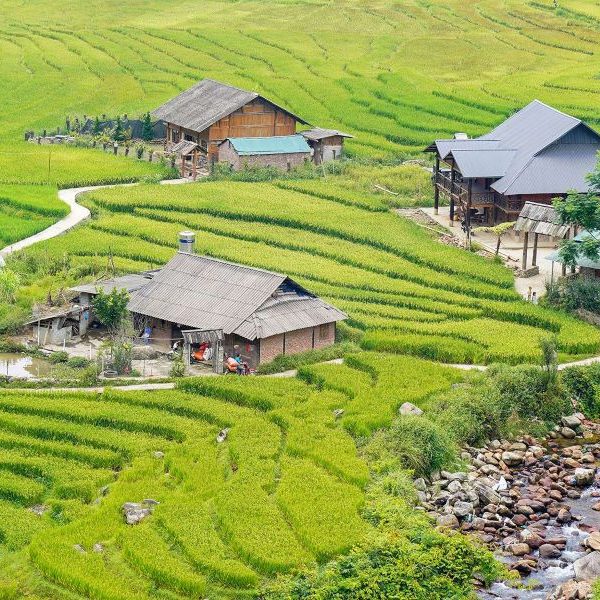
513	457
549	551
420	484
135	512
462	509
587	568
571	421
409	409
98	548
583	477
338	412
158	454
567	432
449	521
454	487
79	548
458	476
222	436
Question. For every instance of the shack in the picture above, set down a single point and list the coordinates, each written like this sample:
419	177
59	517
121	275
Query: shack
326	144
256	313
284	152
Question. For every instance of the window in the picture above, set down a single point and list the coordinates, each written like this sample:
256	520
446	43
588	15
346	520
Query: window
174	136
323	331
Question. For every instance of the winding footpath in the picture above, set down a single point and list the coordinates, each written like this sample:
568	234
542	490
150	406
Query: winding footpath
77	214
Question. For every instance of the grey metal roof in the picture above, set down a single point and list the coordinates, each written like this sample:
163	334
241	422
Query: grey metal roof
555	170
444	147
288	313
539	135
184	147
207	293
542	219
130	283
483	163
207	102
318	133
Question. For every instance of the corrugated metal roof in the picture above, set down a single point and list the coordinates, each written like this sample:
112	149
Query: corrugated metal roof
130	283
542	219
582	261
557	169
206	103
483	163
545	160
280	144
184	147
207	293
318	133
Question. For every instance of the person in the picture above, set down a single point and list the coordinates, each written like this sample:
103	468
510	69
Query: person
243	368
534	298
231	364
147	333
529	294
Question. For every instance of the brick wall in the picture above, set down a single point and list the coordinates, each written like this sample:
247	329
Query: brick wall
270	347
227	154
300	340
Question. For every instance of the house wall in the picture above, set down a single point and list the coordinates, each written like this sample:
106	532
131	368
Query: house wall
327	149
162	332
300	340
227	154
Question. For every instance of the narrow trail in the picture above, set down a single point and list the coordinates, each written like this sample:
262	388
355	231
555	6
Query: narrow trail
76	215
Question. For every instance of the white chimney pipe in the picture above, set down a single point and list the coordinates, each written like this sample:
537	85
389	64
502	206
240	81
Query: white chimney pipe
187	241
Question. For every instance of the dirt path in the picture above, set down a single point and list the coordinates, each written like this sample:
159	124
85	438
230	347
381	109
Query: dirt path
77	214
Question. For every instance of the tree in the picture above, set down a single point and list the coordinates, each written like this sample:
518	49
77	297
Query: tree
119	131
147	130
97	129
111	308
498	230
583	212
9	284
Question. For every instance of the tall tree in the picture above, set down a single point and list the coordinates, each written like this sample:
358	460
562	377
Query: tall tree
119	131
583	212
147	131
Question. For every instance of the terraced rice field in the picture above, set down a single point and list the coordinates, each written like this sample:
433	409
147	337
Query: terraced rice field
284	489
403	291
395	75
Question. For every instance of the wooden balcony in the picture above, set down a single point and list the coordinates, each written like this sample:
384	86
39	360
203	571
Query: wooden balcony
480	198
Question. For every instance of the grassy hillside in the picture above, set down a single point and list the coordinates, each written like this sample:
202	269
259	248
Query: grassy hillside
394	74
285	489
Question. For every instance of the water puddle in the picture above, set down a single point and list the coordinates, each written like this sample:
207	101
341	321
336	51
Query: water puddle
22	366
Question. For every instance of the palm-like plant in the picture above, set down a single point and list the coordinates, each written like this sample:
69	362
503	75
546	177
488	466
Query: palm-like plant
497	230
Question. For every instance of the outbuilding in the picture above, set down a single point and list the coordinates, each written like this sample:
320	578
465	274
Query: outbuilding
326	144
284	152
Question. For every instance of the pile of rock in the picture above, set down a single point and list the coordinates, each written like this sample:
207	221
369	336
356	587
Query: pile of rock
135	512
515	496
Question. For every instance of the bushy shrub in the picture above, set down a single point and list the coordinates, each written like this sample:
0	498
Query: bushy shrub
286	362
582	384
573	293
78	362
58	357
412	442
177	367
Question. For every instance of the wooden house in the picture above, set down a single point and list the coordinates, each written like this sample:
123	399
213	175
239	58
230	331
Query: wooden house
211	112
537	154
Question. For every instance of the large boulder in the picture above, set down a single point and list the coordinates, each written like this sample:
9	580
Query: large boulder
513	457
587	568
583	477
409	409
462	508
571	421
449	521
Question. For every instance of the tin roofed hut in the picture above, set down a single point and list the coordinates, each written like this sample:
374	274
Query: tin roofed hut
326	144
587	268
258	313
283	152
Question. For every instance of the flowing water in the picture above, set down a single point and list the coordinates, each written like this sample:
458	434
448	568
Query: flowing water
23	366
541	583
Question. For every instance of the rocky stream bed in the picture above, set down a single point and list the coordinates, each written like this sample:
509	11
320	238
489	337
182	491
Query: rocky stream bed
535	503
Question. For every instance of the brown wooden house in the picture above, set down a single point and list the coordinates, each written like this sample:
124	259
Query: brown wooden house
537	154
211	112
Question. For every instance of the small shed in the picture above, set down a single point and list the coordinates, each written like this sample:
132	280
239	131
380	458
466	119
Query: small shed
188	154
587	267
327	144
538	219
283	152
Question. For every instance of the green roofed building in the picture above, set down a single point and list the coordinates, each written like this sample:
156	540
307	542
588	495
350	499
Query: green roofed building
587	267
282	151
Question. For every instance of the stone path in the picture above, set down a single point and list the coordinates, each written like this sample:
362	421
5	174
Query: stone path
77	215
